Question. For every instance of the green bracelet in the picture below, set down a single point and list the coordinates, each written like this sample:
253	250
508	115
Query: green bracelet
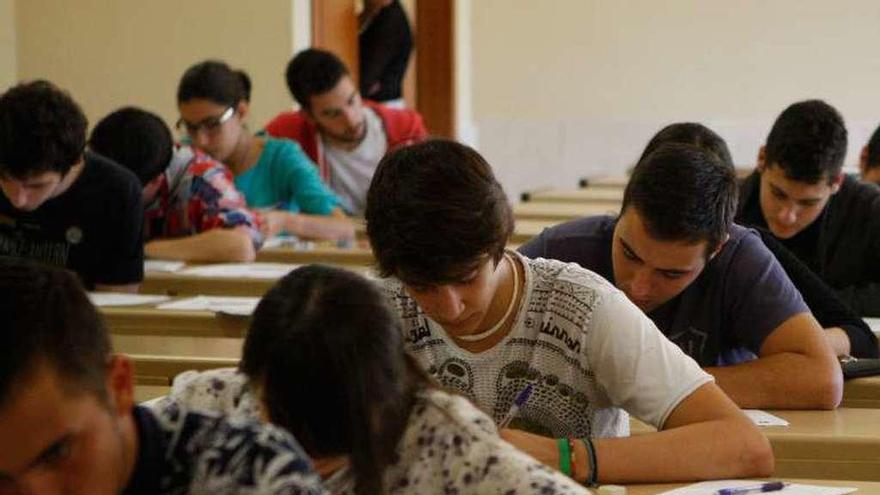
564	456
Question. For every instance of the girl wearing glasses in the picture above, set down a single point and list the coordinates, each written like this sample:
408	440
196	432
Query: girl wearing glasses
273	174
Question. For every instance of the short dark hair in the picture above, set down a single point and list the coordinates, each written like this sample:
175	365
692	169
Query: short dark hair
327	352
215	81
873	160
41	130
683	193
313	72
434	211
136	139
808	142
47	318
690	133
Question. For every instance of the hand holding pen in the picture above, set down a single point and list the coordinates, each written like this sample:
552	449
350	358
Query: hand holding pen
518	402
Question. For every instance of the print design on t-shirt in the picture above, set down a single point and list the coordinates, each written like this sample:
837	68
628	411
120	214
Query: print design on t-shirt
553	405
692	341
19	244
456	374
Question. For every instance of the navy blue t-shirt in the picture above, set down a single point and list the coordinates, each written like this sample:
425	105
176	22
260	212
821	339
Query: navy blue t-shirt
94	228
722	317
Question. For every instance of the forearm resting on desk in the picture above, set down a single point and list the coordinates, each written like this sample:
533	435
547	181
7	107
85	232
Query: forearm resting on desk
220	245
796	369
332	227
705	437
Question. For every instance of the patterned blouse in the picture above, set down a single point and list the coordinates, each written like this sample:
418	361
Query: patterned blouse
449	445
197	193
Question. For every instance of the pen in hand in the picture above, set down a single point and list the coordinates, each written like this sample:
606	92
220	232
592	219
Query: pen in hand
772	486
518	402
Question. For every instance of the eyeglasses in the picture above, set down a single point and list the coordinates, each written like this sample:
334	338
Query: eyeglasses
210	124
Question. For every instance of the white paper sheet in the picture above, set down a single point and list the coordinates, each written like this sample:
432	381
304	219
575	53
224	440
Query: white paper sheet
110	299
239	306
874	323
291	242
267	271
163	266
712	487
763	418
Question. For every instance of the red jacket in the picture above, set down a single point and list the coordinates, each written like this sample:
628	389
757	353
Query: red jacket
402	127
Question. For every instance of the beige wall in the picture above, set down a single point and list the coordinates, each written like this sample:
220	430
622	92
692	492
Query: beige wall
124	52
580	85
7	44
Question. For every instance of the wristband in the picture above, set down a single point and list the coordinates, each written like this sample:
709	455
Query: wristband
564	456
593	478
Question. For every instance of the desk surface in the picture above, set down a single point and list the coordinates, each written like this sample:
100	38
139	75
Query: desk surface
841	444
560	212
863	487
146	392
179	284
149	321
585	195
318	253
862	392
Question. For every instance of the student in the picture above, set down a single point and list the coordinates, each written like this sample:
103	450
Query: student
488	322
192	210
830	221
67	423
579	240
374	422
344	135
60	205
869	160
273	174
384	46
711	286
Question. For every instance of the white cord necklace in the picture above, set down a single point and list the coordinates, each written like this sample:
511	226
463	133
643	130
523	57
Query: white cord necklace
513	300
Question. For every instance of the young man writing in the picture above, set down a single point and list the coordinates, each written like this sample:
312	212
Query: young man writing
711	286
68	423
59	204
345	135
192	210
830	221
488	322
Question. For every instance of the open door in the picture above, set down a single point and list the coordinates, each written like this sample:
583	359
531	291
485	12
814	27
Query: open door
432	86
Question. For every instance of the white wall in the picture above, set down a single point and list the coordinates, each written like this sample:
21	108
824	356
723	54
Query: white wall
8	68
133	52
579	86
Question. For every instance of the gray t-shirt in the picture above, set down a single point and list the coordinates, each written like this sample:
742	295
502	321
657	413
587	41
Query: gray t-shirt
352	171
723	316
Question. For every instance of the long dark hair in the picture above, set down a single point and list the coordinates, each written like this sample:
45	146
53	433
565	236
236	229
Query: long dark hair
215	81
327	353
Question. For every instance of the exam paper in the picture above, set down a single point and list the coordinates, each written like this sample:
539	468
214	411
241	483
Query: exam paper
763	418
269	271
163	266
712	487
874	323
291	242
110	299
239	306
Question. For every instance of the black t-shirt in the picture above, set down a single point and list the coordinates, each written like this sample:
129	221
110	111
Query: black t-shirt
94	228
385	46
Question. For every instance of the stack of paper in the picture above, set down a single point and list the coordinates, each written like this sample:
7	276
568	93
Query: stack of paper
239	306
163	266
763	418
290	242
712	488
109	299
267	271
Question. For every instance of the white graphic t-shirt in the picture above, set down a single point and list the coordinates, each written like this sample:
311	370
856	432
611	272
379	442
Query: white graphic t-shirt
589	353
352	171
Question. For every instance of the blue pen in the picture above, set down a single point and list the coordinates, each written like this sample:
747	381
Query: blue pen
518	402
772	486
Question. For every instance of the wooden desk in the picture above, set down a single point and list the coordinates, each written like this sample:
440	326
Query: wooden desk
863	487
842	444
328	255
160	370
561	212
607	182
179	284
587	195
144	393
862	392
144	321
